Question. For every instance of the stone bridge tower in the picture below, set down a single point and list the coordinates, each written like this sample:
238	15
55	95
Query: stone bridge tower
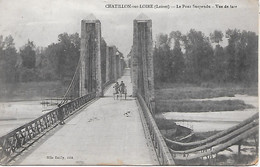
142	59
90	57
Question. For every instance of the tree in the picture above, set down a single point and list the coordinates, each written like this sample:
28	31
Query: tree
191	57
59	60
251	59
216	36
28	55
162	56
219	62
8	59
242	56
177	59
68	53
198	54
48	63
220	65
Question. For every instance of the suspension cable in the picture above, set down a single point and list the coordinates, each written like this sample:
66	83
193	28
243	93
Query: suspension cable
64	100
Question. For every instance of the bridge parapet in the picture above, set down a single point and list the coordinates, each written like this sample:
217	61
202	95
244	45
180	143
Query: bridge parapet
19	139
163	154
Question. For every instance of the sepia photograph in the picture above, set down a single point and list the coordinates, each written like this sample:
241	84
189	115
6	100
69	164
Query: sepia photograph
129	82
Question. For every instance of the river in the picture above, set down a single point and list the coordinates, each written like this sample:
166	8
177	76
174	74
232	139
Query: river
210	121
15	114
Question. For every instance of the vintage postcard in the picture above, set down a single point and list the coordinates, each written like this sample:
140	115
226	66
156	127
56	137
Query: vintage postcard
129	82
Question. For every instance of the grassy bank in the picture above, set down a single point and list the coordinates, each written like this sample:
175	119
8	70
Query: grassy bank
195	92
31	90
170	97
200	106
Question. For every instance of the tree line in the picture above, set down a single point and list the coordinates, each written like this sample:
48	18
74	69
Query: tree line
57	61
196	58
192	58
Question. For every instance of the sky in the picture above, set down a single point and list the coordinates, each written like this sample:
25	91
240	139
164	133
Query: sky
42	20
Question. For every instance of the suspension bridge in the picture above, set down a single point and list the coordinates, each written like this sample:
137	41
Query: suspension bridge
100	130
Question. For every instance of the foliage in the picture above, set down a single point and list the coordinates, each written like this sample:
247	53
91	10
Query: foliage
27	74
216	36
28	55
198	53
178	58
8	59
200	106
242	55
192	57
179	97
57	61
48	63
67	52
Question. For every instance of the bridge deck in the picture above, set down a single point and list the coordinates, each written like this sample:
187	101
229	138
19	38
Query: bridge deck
101	134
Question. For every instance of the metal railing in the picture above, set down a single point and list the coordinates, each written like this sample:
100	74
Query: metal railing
216	136
208	153
22	137
219	140
163	154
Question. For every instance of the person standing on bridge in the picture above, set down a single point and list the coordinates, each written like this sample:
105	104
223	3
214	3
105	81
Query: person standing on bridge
60	115
116	86
122	87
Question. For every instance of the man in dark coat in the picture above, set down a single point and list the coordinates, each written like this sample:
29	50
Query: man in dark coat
122	87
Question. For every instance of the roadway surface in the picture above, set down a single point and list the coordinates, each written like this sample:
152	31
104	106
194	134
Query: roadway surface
107	132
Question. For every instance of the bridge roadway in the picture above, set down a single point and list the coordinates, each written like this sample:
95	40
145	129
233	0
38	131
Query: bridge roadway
100	134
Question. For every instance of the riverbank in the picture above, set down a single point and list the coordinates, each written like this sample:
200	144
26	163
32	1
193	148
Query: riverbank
208	110
15	114
200	106
192	98
177	91
31	91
